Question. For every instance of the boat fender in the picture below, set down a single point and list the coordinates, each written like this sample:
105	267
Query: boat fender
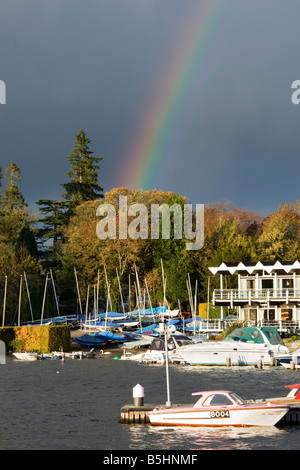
269	403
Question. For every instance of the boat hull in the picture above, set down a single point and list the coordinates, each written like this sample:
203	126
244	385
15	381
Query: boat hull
286	362
256	416
26	356
220	356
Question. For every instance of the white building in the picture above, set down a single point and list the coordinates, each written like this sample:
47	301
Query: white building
267	291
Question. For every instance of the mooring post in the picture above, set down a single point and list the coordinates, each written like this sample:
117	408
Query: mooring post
138	395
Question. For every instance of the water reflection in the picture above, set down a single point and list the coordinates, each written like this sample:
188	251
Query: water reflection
204	438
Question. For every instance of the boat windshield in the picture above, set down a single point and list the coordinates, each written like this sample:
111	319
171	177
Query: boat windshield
237	399
184	341
245	335
272	335
218	399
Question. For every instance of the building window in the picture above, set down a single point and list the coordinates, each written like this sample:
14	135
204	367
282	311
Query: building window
269	314
287	283
250	314
267	283
286	314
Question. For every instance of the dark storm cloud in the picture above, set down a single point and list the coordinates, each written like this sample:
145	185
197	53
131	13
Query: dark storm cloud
93	65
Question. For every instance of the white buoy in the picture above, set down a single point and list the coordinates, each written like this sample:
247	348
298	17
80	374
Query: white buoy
138	395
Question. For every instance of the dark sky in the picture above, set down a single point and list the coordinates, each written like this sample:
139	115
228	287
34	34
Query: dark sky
93	64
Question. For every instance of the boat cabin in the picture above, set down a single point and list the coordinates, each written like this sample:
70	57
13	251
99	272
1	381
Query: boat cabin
158	343
218	398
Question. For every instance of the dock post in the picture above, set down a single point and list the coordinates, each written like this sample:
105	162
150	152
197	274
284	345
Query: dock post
138	395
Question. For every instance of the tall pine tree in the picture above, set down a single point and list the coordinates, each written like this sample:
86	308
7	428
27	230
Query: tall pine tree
83	185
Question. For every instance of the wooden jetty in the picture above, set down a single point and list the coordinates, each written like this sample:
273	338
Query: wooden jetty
131	414
293	415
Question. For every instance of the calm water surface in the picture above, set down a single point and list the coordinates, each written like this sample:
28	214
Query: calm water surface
76	405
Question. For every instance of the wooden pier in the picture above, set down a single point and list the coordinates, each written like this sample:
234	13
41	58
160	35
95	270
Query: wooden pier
293	415
131	414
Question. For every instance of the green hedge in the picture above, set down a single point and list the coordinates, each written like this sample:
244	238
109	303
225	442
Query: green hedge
42	339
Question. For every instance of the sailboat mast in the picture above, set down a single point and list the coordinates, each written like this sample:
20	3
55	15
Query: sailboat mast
54	290
78	293
20	296
4	302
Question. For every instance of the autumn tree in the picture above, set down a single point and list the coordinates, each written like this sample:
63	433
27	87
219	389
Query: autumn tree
89	254
230	235
280	235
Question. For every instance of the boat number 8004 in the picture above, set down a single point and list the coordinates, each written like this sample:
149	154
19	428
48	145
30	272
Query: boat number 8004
220	414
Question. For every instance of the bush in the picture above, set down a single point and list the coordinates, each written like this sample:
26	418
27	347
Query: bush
230	329
42	339
294	338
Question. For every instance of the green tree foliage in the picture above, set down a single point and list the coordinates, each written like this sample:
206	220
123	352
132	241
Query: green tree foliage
68	233
90	254
50	234
16	224
83	184
18	248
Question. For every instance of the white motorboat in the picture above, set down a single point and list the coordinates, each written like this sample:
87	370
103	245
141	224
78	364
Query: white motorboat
33	356
169	313
219	408
157	351
285	360
292	397
26	356
74	354
244	346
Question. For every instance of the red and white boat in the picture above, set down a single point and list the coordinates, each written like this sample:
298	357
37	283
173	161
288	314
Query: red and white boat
219	408
292	397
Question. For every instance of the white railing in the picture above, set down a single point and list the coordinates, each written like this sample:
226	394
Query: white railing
254	294
282	326
204	326
218	325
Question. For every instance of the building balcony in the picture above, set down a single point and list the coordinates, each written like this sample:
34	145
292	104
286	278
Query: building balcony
236	297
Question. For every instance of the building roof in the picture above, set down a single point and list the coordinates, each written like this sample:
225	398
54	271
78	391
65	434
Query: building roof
253	268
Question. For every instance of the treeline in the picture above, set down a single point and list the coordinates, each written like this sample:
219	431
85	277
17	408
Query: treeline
62	237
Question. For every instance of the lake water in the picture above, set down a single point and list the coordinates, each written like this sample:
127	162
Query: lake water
75	405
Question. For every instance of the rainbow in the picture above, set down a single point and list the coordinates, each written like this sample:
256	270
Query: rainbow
146	155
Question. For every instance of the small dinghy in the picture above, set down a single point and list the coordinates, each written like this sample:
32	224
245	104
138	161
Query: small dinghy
32	356
26	356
